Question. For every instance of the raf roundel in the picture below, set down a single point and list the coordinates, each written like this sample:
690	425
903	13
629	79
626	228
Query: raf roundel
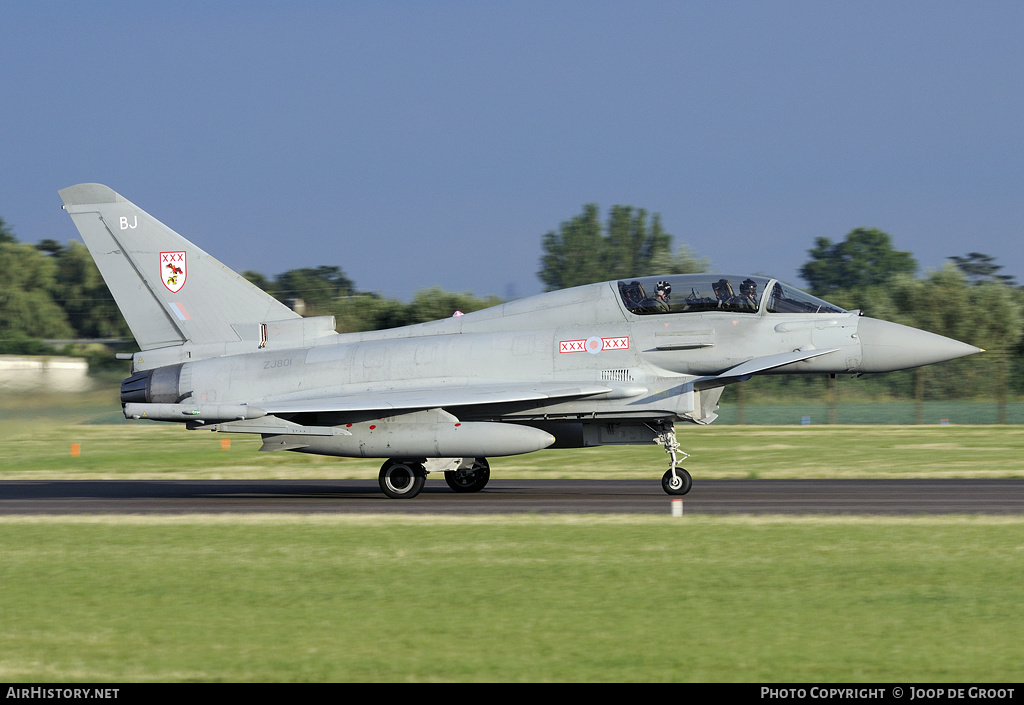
594	344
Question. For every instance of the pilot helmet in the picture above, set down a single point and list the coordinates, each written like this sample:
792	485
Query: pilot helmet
664	290
748	287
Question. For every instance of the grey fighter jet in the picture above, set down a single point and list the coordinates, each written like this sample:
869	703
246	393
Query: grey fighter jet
619	362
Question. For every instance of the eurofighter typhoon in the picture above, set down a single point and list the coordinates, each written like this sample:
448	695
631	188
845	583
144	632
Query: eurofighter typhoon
621	362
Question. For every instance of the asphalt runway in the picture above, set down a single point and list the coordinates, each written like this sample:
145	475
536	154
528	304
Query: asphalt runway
833	497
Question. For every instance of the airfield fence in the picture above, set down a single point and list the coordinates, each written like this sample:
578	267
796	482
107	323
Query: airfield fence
893	412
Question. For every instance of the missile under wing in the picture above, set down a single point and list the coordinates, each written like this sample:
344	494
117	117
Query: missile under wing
612	363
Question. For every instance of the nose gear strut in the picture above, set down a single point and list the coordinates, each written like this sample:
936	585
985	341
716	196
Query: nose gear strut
676	481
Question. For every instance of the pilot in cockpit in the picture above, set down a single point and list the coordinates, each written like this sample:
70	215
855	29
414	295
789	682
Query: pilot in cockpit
662	295
659	302
748	294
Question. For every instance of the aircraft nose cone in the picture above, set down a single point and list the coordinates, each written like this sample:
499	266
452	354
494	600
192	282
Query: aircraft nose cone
886	347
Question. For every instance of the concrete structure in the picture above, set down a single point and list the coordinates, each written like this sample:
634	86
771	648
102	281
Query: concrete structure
23	373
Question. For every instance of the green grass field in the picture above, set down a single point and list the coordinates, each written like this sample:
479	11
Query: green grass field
525	598
37	431
38	449
534	598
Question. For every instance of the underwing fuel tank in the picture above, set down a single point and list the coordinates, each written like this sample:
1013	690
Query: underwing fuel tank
418	440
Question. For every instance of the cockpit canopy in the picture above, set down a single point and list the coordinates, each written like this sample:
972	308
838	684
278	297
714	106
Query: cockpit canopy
687	293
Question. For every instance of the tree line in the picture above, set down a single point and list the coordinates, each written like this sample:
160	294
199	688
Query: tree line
968	299
52	291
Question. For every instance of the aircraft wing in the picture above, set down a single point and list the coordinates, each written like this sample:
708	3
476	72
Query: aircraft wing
435	397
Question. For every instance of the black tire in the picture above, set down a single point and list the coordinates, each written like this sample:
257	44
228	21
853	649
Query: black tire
472	480
401	479
678	485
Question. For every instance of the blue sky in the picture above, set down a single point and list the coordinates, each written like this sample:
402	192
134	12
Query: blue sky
423	143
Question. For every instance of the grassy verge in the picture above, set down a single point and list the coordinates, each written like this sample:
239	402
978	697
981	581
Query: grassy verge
36	449
510	599
534	598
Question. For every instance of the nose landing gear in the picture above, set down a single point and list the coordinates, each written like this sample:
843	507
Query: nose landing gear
676	481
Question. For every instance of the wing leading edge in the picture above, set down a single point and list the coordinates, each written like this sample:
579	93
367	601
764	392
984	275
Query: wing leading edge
749	368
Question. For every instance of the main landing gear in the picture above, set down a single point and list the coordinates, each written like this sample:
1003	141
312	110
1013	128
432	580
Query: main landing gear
404	479
676	481
401	479
472	479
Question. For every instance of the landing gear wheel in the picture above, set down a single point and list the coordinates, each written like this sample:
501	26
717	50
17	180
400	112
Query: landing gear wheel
401	479
678	485
472	480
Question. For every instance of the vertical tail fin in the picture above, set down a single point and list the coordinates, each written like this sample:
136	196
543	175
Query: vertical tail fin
171	292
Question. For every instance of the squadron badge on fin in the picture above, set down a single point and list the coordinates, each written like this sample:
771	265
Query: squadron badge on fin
173	270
